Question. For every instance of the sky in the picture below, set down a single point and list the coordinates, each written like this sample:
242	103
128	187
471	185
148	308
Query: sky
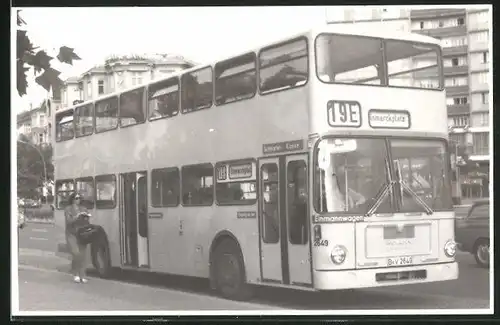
201	34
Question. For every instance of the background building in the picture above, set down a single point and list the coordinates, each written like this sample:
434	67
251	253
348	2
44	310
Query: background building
34	124
464	35
118	73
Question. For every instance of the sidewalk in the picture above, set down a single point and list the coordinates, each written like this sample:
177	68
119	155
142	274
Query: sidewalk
43	290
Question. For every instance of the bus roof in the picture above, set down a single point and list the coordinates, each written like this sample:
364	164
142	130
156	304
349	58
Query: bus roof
352	29
380	32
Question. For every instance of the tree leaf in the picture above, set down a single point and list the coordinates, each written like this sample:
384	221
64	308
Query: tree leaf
20	21
42	60
66	55
49	79
22	82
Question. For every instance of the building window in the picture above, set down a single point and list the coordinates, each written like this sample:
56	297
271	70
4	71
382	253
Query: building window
481	77
456	100
136	78
461	120
486	57
441	24
458	138
480	145
89	89
454	82
460	21
100	88
421	25
480	119
40	138
42	120
485	98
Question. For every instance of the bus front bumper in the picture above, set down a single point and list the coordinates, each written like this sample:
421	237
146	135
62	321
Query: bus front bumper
380	277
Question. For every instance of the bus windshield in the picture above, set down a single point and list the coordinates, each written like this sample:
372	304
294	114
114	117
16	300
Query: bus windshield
372	61
351	174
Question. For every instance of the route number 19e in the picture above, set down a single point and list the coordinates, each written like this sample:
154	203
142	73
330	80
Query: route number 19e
344	113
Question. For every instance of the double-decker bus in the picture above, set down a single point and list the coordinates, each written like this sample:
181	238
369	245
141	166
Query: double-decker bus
317	162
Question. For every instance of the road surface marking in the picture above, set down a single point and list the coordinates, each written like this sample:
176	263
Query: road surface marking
38	238
39	230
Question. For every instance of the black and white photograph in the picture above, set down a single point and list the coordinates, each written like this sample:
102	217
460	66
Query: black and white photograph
252	160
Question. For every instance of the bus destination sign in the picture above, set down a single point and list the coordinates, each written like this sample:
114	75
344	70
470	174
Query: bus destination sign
246	214
389	119
240	171
279	147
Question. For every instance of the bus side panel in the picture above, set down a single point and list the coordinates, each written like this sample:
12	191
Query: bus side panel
108	220
246	232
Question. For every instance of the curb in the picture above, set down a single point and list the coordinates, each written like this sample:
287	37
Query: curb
39	221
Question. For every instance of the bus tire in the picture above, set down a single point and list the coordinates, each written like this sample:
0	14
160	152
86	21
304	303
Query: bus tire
101	258
229	271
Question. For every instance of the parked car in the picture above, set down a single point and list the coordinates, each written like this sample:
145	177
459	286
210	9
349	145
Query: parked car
472	233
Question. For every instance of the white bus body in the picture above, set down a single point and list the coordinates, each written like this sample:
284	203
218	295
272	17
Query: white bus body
270	142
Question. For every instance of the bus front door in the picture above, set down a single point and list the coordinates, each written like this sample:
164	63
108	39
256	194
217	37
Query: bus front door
283	220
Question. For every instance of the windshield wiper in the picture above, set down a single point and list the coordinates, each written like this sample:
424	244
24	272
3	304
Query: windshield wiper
417	198
379	198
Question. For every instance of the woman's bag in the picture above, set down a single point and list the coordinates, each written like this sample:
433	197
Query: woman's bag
88	233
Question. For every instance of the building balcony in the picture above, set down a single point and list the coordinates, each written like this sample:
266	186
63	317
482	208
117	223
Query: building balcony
457	90
455	50
474	67
456	70
460	109
480	108
479	87
443	31
435	13
478	26
478	46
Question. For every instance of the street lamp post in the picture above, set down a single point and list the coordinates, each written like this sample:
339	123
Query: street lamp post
41	156
458	187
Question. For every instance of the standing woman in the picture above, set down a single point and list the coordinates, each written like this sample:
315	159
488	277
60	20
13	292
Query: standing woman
78	251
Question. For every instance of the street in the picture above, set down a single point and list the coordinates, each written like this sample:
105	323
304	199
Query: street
40	271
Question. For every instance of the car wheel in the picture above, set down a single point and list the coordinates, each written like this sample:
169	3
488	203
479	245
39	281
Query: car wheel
229	272
482	252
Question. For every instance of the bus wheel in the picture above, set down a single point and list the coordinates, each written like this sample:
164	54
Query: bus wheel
101	259
229	272
482	252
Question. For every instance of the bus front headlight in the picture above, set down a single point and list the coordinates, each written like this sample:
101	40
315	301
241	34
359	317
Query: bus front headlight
338	254
450	248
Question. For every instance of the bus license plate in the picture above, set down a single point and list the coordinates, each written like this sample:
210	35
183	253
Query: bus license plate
399	261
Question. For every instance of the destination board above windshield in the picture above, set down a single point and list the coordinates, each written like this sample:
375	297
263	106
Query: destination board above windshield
348	114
